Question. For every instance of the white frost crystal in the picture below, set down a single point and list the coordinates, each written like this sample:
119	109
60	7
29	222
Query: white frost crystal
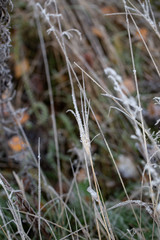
93	193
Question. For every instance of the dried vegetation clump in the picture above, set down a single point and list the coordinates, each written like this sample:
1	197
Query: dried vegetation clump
5	76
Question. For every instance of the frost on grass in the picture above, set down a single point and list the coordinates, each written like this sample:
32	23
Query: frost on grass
145	11
51	19
128	102
92	193
133	202
123	94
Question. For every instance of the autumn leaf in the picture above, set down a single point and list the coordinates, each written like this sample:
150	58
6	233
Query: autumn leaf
129	84
143	31
81	175
97	117
89	58
108	9
24	118
16	144
97	32
153	109
21	68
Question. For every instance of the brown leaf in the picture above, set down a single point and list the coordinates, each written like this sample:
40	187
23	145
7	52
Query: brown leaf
97	32
81	175
153	109
89	58
143	32
24	118
21	68
129	84
98	117
108	9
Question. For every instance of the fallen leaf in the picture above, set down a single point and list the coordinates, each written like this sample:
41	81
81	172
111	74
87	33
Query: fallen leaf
97	32
89	58
5	95
144	32
81	175
129	84
87	199
24	118
108	9
21	68
97	117
153	109
16	144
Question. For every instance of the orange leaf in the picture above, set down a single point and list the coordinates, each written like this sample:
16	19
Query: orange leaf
98	117
24	118
143	32
108	9
97	32
16	144
21	68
